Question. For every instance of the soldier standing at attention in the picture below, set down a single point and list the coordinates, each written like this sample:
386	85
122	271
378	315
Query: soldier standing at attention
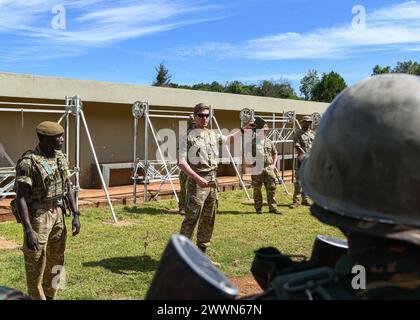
182	176
199	162
42	183
303	143
265	149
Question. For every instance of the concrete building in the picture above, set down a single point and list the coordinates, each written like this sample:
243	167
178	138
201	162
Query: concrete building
108	111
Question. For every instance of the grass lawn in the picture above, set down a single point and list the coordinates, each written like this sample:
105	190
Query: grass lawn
109	262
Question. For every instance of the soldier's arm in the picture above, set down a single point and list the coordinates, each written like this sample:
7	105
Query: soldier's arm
274	153
71	196
185	146
229	139
73	208
297	144
185	167
22	193
299	149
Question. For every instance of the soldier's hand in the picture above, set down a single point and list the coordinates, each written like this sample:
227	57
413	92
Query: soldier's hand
249	126
75	225
32	240
202	183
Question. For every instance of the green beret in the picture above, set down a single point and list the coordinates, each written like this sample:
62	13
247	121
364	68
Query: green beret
49	128
307	119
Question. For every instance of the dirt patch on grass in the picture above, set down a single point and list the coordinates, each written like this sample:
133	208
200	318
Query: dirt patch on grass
119	223
6	244
247	286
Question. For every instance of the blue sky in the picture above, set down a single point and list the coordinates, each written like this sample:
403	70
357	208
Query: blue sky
203	40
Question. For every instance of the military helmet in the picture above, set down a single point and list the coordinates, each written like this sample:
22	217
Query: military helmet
363	170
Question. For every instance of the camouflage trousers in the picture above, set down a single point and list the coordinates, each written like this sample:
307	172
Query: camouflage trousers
201	208
268	178
297	188
43	265
183	193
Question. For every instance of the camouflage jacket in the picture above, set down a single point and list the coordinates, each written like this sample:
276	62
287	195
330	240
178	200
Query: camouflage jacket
45	176
203	150
304	139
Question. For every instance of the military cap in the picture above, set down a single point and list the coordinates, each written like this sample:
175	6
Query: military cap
49	128
307	119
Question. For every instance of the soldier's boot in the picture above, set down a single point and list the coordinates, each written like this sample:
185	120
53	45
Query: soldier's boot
49	298
294	205
216	264
305	201
296	193
274	210
258	211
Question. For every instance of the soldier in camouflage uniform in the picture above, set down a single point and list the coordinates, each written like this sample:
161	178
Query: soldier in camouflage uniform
198	159
303	141
268	153
42	187
183	177
368	187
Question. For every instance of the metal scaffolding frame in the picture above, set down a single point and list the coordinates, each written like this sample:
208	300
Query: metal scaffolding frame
72	106
161	170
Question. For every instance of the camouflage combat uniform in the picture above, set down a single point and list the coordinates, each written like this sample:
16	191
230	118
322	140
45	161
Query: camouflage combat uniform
183	176
46	178
183	192
201	203
303	140
267	177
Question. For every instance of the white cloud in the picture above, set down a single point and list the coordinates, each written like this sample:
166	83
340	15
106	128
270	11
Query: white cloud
393	27
94	22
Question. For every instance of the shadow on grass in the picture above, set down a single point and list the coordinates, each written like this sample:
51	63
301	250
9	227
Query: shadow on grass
156	211
151	211
125	265
235	212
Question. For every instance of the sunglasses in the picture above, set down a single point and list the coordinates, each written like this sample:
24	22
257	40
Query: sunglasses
203	115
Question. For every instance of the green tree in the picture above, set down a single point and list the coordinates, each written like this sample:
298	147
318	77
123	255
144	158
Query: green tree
234	87
409	67
329	87
280	89
216	87
308	83
163	78
379	70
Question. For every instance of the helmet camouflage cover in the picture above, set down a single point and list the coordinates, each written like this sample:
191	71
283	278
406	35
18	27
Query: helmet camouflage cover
363	170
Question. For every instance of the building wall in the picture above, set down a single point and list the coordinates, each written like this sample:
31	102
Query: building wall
108	113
